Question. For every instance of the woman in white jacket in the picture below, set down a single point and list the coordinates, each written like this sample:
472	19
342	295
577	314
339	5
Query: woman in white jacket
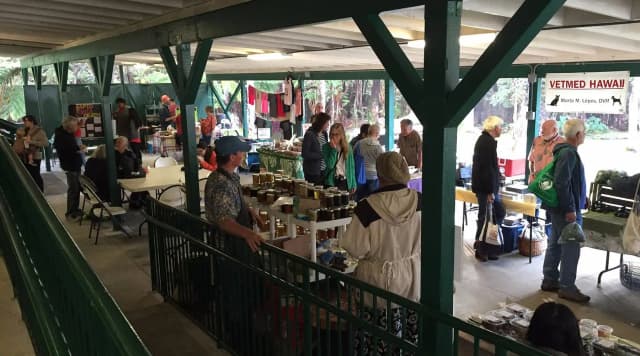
385	236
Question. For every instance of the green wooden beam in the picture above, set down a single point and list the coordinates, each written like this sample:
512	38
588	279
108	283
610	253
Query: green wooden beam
103	70
243	105
37	76
25	76
396	63
533	124
185	75
108	131
216	94
389	113
516	35
299	128
442	52
244	18
62	73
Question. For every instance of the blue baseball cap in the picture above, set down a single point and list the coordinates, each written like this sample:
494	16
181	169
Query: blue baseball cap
228	145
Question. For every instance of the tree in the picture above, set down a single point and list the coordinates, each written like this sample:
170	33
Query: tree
11	92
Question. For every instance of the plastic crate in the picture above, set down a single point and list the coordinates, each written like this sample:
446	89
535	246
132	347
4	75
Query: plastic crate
630	275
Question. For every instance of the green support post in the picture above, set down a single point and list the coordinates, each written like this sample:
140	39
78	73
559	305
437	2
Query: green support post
389	113
62	73
533	116
225	106
37	77
245	112
103	70
303	120
185	76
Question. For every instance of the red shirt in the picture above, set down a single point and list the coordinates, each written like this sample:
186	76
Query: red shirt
179	124
207	124
212	165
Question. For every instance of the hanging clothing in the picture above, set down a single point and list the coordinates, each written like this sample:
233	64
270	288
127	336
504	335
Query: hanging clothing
273	105
265	103
288	92
298	102
280	112
251	95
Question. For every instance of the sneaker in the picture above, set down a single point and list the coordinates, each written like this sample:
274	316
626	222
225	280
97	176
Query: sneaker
573	294
481	258
550	286
493	257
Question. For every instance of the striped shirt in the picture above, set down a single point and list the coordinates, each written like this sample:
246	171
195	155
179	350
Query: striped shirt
323	141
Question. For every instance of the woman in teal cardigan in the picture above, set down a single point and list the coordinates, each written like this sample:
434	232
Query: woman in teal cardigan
338	156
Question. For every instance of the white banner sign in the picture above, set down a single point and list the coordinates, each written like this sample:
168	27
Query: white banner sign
598	92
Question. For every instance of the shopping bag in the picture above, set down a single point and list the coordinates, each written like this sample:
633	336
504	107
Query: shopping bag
543	185
631	234
491	232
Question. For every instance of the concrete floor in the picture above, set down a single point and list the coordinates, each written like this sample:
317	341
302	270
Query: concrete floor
123	266
513	279
14	336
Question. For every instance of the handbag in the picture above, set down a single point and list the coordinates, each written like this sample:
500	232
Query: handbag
491	232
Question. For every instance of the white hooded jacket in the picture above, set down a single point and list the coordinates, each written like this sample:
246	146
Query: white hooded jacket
385	236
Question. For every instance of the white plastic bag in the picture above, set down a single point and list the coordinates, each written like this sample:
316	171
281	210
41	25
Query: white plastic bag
491	232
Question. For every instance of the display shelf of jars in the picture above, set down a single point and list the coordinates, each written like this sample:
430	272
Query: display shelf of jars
296	207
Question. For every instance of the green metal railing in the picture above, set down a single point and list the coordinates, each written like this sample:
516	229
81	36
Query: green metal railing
275	303
66	308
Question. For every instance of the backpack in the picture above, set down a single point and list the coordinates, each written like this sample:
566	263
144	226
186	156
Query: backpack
543	185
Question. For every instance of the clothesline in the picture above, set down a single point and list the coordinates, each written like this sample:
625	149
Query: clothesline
287	104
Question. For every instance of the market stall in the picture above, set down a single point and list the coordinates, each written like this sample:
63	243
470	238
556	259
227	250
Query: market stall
289	161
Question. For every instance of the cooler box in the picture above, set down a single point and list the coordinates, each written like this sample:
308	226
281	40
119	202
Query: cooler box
512	167
510	235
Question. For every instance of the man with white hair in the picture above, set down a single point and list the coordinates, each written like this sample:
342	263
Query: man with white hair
69	153
570	184
541	153
485	182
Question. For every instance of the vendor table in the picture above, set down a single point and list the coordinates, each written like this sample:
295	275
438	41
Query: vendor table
603	231
158	178
292	221
527	209
273	161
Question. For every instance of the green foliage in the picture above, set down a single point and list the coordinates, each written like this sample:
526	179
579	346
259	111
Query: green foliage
11	93
509	91
595	126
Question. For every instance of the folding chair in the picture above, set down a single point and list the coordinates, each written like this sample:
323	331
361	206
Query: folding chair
165	162
99	209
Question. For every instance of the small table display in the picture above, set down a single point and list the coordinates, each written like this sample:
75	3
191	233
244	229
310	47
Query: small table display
298	203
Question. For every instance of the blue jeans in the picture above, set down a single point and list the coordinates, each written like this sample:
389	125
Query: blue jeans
565	255
364	190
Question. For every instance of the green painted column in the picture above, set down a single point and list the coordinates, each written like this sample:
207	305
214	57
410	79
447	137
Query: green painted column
103	70
303	120
389	113
533	116
186	75
245	110
37	77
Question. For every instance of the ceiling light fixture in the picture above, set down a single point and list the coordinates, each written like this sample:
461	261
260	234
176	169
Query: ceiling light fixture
465	40
267	56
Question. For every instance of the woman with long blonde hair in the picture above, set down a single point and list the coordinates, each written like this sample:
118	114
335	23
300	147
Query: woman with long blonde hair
338	156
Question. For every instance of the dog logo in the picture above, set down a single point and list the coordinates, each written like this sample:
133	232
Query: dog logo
615	100
554	102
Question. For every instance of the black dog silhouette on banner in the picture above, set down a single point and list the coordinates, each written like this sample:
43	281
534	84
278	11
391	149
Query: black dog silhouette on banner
554	102
615	100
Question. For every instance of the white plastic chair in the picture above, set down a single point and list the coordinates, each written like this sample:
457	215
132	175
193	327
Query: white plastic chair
173	196
165	162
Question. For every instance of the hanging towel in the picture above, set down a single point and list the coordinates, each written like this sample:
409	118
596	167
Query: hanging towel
251	93
273	105
280	112
288	92
298	102
265	103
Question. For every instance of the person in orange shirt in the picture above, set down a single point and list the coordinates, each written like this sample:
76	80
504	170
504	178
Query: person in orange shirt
206	157
206	125
541	153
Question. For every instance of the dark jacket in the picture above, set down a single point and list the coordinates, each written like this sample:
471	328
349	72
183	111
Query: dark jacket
128	165
569	179
311	153
68	150
96	170
485	175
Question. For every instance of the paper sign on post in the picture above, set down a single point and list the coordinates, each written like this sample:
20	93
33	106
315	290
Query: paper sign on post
596	92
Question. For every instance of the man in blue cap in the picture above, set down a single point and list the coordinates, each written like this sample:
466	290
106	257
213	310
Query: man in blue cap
224	204
227	210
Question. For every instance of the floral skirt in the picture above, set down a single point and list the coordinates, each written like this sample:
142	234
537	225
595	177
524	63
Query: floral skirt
365	344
